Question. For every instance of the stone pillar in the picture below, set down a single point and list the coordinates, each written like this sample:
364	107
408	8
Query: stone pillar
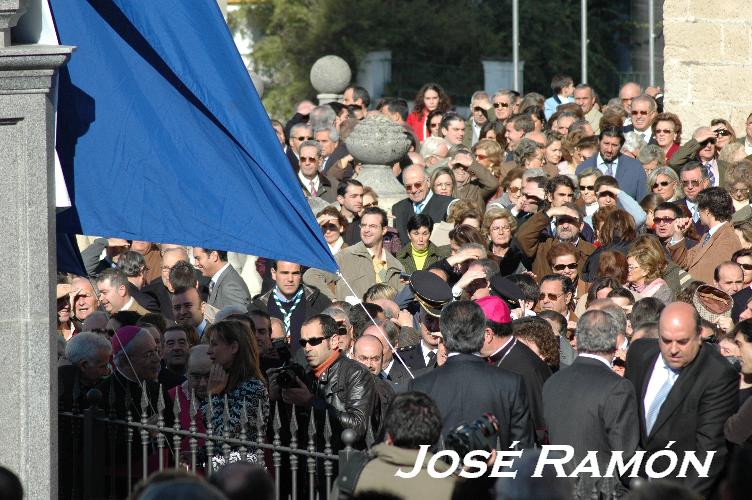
500	75
708	62
330	76
28	347
378	143
374	72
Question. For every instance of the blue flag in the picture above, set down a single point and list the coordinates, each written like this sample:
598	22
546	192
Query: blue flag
162	137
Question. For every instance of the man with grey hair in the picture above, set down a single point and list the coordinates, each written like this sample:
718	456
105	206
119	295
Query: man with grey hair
633	144
503	104
420	200
328	138
313	183
299	133
643	113
480	106
434	150
89	357
584	97
604	417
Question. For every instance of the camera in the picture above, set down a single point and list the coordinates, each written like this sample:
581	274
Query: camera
289	370
479	435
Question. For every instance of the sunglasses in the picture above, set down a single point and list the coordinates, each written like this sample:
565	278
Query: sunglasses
561	267
498	105
303	138
662	184
707	141
431	323
663	131
313	341
551	296
587	188
746	267
455	166
663	220
641	113
415	186
692	183
307	159
722	132
513	189
329	227
480	156
609	194
435	125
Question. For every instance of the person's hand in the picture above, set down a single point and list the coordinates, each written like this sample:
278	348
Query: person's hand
462	159
275	391
470	276
217	379
557	211
63	290
117	242
571	326
405	318
299	396
703	134
464	255
342	163
305	108
653	91
611	189
519	203
727	324
681	225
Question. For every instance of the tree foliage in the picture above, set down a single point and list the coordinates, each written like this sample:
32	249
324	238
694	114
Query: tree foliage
430	40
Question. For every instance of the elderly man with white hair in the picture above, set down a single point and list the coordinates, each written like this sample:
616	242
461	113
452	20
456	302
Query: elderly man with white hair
434	150
89	357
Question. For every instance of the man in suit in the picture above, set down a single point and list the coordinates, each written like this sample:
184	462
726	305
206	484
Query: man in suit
603	417
744	259
113	293
686	391
643	112
501	349
134	267
392	368
717	245
368	351
423	356
480	106
694	179
701	147
311	181
299	133
350	199
466	387
420	200
161	289
226	287
627	171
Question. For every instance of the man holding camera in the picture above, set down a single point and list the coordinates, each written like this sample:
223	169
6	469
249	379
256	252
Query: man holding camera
334	384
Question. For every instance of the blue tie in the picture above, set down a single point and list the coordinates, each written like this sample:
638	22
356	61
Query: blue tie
711	175
695	215
706	238
660	397
419	207
610	168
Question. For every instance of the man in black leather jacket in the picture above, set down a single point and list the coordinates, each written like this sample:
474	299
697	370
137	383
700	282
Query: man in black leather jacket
335	385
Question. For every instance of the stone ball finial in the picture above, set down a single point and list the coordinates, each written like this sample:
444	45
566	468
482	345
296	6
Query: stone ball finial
377	141
330	75
257	82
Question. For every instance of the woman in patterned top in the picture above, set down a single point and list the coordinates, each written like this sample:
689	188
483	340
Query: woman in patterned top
235	374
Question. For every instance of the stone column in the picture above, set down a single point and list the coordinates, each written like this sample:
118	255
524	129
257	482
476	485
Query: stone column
28	348
378	143
708	62
330	76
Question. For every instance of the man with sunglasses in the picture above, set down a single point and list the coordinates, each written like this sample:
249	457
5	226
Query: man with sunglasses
627	171
299	133
420	200
334	384
503	105
742	257
643	113
313	183
694	179
664	216
701	147
480	107
556	295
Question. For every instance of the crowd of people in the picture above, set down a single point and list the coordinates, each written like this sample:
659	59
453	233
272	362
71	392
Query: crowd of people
570	265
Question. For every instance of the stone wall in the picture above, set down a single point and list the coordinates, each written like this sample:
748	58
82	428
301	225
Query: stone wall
708	61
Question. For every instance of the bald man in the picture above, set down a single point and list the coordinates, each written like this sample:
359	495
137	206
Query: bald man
686	391
420	200
368	351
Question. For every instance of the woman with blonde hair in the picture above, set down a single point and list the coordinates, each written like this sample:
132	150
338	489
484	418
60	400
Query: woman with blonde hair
739	184
499	226
443	181
646	263
489	154
663	181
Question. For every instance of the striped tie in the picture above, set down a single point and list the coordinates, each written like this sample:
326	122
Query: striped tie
711	175
706	238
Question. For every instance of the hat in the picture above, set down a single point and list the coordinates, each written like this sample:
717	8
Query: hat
431	292
712	303
506	288
123	337
495	309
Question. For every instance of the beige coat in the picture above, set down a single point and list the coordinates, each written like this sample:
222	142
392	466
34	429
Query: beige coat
702	259
356	266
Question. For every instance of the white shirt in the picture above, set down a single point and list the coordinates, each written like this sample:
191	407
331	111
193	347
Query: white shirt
660	373
601	164
476	132
216	276
595	356
127	305
388	367
714	168
747	146
425	350
307	182
424	202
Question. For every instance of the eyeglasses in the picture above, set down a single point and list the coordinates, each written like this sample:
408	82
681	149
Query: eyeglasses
722	132
663	220
691	183
550	296
664	131
313	341
329	227
500	229
415	186
480	156
455	166
739	190
303	138
662	184
435	125
632	268
307	159
587	188
561	267
707	141
443	185
640	112
372	204
498	105
513	189
746	267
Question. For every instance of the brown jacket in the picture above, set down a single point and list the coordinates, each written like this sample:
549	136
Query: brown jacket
535	241
504	168
479	188
702	259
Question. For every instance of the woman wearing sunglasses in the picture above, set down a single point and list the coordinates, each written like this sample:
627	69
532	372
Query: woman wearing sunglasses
663	181
235	375
646	264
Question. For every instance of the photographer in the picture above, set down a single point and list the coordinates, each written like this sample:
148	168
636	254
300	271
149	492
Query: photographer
412	420
335	384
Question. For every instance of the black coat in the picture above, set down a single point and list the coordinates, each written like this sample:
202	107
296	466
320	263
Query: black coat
466	387
159	293
403	210
590	271
703	397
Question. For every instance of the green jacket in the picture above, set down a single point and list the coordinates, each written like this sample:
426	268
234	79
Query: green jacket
405	257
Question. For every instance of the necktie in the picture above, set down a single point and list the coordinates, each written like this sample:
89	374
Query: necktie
431	359
706	238
610	168
312	190
695	215
711	175
211	286
660	397
418	208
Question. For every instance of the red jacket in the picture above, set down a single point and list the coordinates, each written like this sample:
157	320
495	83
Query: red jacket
418	123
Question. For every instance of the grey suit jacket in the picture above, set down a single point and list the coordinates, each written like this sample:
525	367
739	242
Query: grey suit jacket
229	290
